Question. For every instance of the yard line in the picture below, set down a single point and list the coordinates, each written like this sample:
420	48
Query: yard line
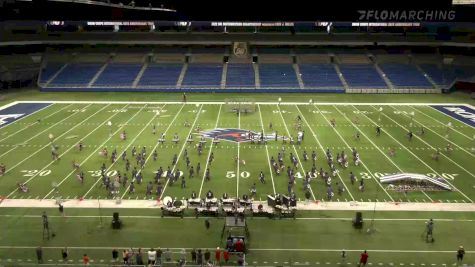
36	135
41	148
156	145
461	148
412	153
267	150
29	125
183	147
384	154
471	174
209	153
362	163
118	155
66	152
238	156
323	150
295	150
470	138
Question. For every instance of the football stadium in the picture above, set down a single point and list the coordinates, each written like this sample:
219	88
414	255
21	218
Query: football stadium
248	133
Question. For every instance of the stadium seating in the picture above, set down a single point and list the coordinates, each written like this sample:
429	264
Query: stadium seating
319	75
118	75
405	76
278	76
163	75
441	75
49	71
362	76
76	74
203	75
240	75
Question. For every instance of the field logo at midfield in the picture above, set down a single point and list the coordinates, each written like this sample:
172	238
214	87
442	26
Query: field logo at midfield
461	113
236	135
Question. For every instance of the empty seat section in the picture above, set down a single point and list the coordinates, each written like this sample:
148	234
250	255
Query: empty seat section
277	75
362	75
161	75
49	71
76	74
441	75
319	75
118	75
405	75
203	75
240	75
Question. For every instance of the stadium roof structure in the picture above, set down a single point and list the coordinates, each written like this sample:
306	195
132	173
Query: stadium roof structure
417	178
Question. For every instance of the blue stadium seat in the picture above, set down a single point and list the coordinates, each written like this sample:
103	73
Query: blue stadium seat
319	75
240	75
165	75
362	76
117	74
77	74
49	71
278	75
405	75
203	75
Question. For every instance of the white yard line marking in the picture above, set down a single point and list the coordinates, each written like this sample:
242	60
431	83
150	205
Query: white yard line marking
429	128
209	154
295	150
119	154
17	102
182	148
41	148
369	139
31	124
471	174
90	155
156	145
412	153
36	135
445	125
323	150
349	147
267	150
238	157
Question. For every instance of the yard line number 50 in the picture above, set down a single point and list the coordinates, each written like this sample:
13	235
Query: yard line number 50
232	174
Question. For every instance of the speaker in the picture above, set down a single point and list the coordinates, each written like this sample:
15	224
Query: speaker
226	59
116	222
358	220
254	59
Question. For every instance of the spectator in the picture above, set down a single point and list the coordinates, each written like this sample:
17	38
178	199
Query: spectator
193	255
152	256
460	254
39	255
85	259
138	257
226	256
64	254
363	259
115	254
217	256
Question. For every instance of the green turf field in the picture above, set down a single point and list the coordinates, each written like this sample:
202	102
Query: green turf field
25	149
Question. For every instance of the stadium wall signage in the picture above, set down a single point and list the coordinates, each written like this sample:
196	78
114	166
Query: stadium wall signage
462	113
406	15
